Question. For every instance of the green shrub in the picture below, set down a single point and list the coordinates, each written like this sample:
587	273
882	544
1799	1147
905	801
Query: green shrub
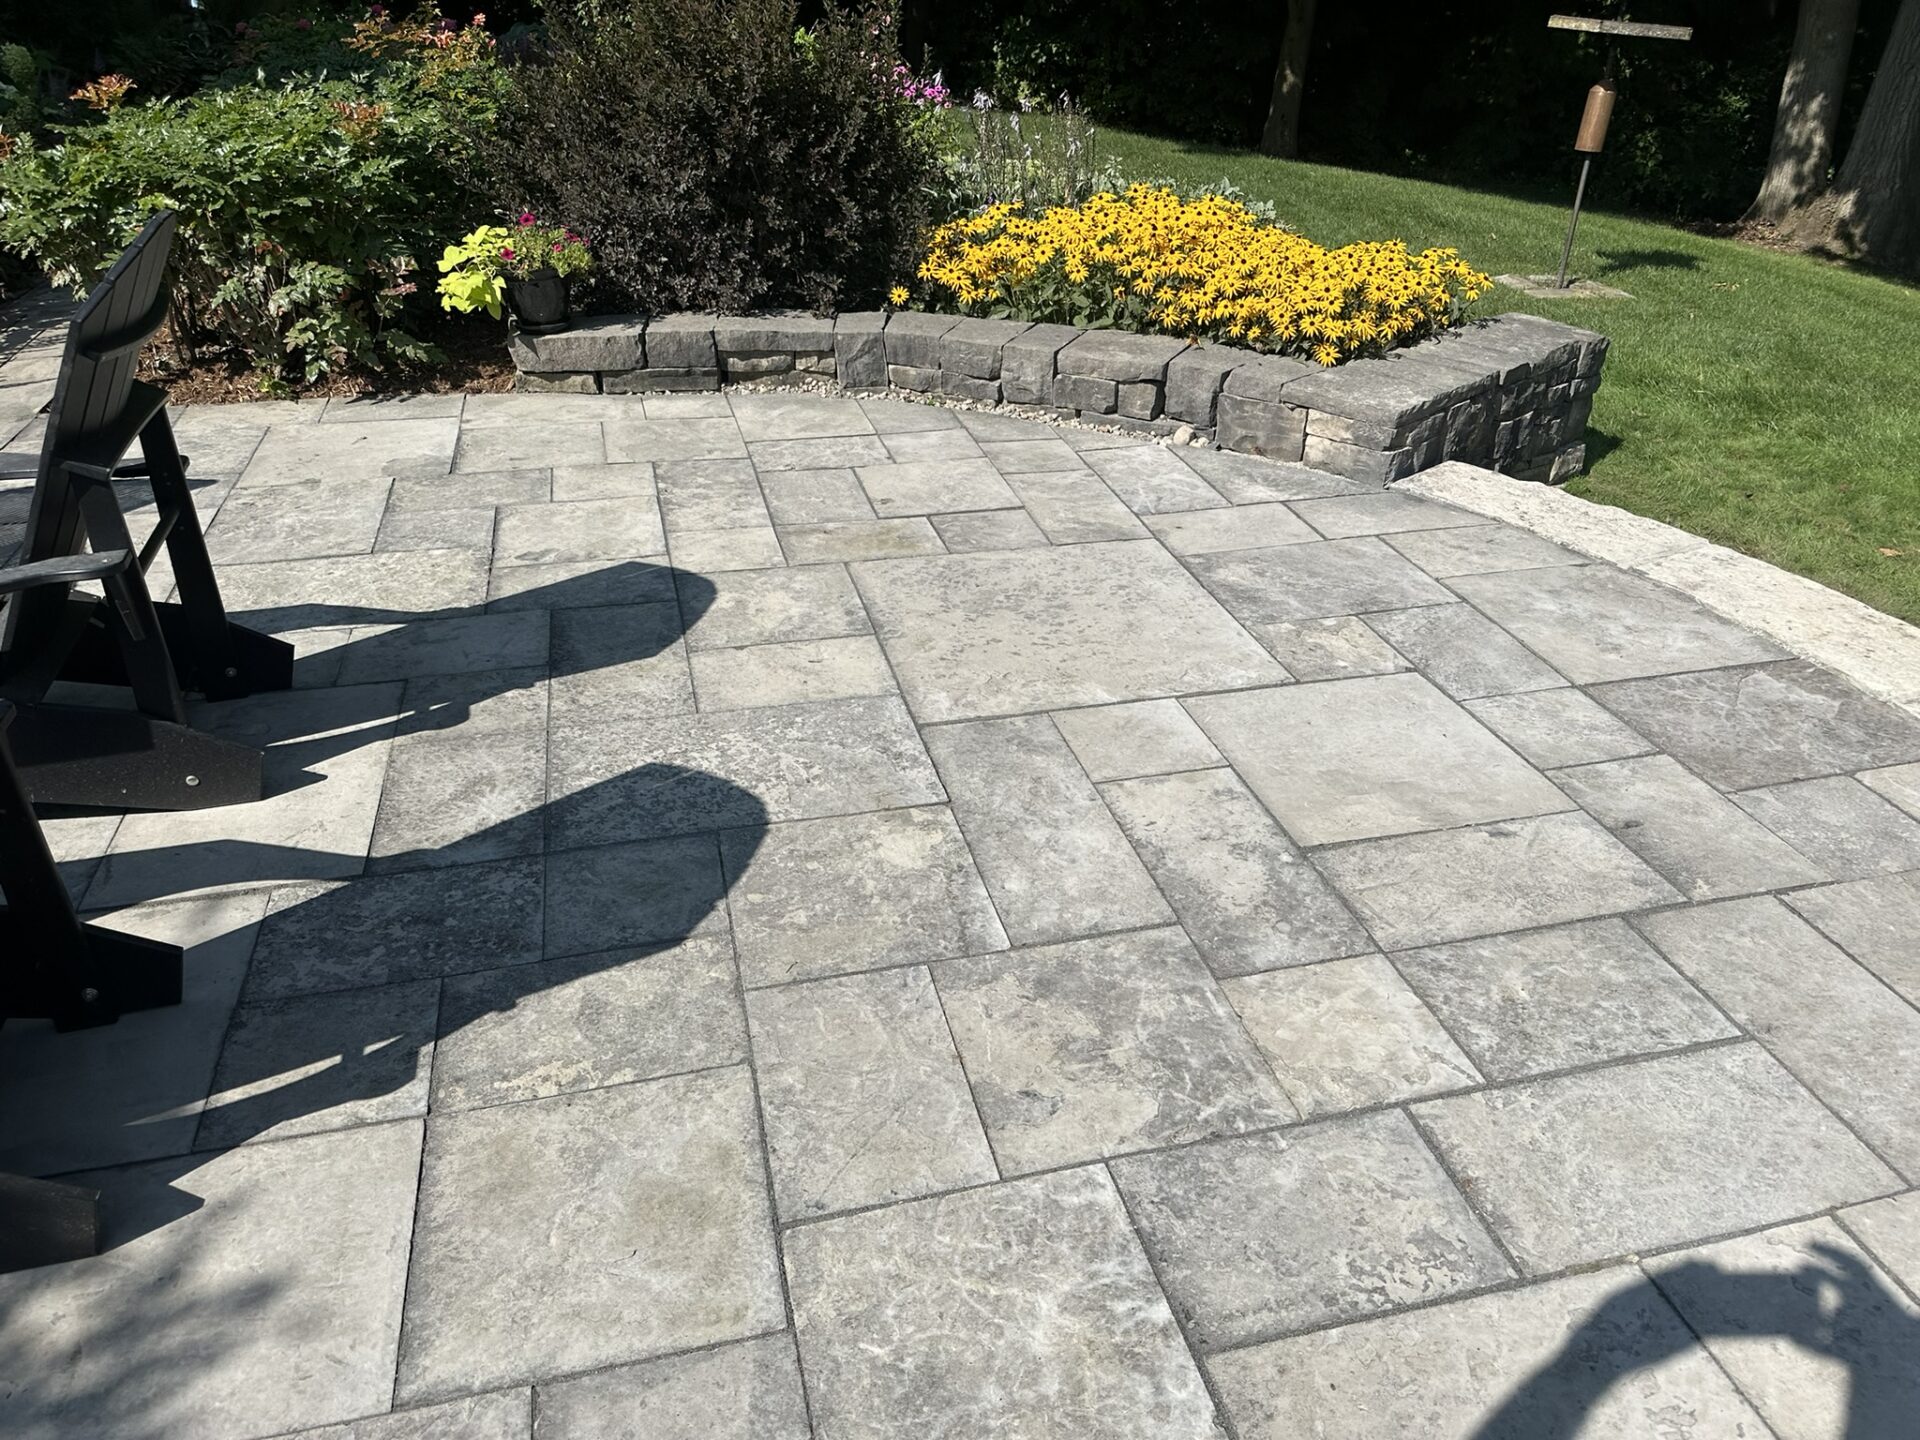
306	209
714	161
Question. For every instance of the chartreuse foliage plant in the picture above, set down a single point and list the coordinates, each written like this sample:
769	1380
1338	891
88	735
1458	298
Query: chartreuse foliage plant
474	272
1206	268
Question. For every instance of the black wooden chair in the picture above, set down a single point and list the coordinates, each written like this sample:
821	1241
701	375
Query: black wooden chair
143	757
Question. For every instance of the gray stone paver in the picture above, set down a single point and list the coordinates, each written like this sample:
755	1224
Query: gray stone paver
1098	1047
638	879
1446	1370
1271	1233
1604	1163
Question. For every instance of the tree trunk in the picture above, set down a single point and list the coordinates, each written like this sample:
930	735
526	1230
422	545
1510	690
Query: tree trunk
1873	211
1282	135
1809	110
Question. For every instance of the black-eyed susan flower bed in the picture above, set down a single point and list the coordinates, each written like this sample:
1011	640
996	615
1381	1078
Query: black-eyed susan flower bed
1207	268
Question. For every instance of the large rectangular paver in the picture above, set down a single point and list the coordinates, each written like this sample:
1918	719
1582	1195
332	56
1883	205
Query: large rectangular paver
1595	623
1153	480
585	1230
1875	921
678	775
1560	997
1482	879
1479	549
1381	513
1265	1234
296	521
1075	507
1348	1035
1463	652
1849	1038
338	935
585	1023
1054	860
354	589
208	1281
1377	755
1635	1157
1492	1366
290	453
995	633
854	892
322	1062
1553	728
927	487
1685	828
812	602
1839	824
1305	582
579	530
1018	1309
1097	1047
748	1390
1765	725
864	1098
790	670
1242	891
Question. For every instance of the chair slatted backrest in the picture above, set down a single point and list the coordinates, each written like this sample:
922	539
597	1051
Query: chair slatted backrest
96	413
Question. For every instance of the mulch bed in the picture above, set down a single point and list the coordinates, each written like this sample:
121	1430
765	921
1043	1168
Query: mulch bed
476	362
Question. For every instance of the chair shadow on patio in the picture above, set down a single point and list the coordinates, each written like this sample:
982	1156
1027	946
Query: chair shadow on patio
1834	1307
344	993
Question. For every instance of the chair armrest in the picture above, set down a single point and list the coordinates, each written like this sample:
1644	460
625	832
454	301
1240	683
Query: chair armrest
64	570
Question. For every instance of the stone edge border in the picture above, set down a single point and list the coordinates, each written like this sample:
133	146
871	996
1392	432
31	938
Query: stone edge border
1872	650
1512	392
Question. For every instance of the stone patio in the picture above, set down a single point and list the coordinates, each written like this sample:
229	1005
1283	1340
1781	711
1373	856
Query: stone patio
785	916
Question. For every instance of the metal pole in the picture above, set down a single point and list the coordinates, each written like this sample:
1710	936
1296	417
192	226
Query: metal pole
1566	251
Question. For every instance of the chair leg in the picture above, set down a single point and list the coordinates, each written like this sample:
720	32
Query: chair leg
212	655
54	967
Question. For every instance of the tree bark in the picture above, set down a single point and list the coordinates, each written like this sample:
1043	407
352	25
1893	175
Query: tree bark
1803	128
1872	212
1282	135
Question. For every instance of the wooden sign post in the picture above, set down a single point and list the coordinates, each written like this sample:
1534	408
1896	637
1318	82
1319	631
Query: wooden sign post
1592	137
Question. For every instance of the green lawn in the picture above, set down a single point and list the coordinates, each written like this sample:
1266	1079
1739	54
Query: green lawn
1767	401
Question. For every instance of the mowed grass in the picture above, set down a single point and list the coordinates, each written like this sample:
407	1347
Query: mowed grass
1767	401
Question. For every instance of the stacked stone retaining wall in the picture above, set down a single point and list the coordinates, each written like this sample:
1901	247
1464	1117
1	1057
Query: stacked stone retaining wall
1511	393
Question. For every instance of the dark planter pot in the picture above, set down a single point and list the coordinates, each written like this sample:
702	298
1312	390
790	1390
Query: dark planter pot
539	302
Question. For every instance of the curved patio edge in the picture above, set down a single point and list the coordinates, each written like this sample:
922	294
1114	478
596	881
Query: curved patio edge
1512	392
1871	649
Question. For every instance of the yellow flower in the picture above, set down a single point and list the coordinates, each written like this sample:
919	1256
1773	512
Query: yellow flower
1206	268
897	295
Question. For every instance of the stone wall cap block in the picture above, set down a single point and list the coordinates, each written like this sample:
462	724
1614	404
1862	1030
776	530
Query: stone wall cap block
1042	342
913	338
1390	390
597	342
920	322
1120	356
681	341
1262	377
973	347
789	330
860	322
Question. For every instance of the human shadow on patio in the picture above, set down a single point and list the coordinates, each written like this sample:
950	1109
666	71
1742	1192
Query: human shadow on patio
1831	1306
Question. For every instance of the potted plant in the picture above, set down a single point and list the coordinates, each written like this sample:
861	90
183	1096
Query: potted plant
524	266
